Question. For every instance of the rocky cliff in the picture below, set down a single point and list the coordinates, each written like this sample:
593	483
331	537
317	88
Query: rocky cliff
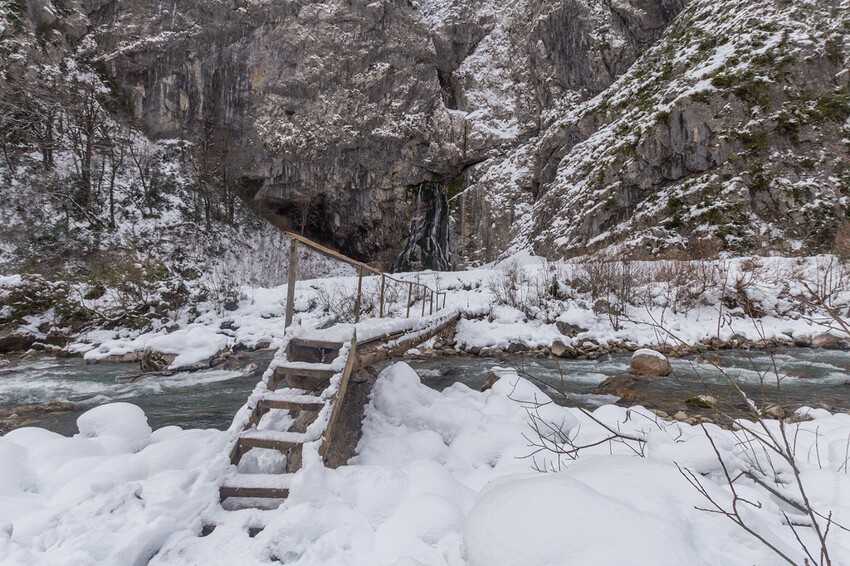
553	125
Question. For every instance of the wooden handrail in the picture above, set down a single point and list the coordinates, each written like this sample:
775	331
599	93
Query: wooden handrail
361	268
331	253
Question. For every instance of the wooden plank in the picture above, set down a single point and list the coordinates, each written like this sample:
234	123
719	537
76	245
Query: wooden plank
288	405
385	352
306	382
344	258
383	284
359	296
340	396
316	343
291	278
326	371
331	253
269	443
253	492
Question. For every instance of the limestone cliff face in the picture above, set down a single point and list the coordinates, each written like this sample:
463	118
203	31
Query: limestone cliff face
345	110
552	125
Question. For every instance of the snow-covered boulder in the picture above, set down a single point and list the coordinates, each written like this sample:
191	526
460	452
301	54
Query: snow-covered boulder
649	363
827	341
119	420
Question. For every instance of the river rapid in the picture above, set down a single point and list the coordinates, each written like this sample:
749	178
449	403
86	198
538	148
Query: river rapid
210	398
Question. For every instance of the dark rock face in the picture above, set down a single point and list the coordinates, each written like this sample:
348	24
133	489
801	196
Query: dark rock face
339	111
552	125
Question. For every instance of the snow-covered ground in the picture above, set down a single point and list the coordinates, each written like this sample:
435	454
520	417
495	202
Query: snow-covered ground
523	300
441	478
453	477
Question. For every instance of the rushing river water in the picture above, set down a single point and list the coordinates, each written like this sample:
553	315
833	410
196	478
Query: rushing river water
209	399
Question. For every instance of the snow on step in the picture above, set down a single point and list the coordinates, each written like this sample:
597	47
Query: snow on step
266	486
262	481
274	436
310	366
293	401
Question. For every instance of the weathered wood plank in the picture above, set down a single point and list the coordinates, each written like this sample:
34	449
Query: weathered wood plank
291	279
340	396
252	492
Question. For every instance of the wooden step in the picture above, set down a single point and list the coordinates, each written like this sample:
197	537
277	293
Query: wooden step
273	439
317	343
300	375
286	442
261	486
291	402
314	351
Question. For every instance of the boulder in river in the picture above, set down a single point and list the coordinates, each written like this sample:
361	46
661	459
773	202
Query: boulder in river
827	341
627	387
649	363
155	361
13	339
702	401
561	350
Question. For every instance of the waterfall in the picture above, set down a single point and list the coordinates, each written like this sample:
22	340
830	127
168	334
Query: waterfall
427	246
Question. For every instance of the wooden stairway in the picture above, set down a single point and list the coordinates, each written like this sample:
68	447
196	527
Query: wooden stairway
301	400
298	385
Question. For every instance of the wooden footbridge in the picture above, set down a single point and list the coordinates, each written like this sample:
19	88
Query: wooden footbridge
315	390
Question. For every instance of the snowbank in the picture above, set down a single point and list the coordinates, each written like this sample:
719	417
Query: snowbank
441	478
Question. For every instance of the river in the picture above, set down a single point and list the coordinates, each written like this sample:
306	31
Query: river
209	398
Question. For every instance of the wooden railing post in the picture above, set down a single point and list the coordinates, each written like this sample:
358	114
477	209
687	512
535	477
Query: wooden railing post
359	295
409	296
432	302
291	278
383	284
423	304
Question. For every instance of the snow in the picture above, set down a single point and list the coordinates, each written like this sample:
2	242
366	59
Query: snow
648	352
119	420
192	345
441	478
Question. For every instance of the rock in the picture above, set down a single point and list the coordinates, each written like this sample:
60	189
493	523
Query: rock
43	12
627	387
228	325
649	363
702	401
827	341
56	338
561	350
681	416
568	329
660	414
153	361
119	358
516	348
23	415
491	380
803	341
799	417
774	411
12	339
75	26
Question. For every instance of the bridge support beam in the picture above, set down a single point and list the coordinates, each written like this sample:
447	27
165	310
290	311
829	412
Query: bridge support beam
291	278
